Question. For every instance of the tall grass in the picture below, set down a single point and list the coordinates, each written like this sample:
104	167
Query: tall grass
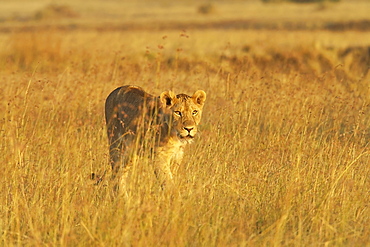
282	158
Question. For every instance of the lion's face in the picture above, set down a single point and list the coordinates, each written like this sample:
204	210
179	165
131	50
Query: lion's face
183	113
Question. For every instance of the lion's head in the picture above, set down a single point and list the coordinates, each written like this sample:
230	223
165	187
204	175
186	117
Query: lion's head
183	113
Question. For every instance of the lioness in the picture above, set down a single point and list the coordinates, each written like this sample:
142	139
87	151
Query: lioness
163	125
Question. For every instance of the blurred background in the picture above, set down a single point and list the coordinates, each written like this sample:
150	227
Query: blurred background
333	15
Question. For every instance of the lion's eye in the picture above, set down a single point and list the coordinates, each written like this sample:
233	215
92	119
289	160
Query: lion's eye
195	112
177	113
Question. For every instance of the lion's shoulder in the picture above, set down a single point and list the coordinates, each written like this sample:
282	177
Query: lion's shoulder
133	94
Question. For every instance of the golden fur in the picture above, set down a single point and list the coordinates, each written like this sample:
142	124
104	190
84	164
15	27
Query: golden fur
137	121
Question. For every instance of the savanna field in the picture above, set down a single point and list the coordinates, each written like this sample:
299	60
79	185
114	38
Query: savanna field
282	157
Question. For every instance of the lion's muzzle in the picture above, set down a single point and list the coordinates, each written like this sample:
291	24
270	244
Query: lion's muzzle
188	132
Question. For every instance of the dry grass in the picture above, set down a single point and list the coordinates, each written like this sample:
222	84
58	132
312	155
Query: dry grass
282	157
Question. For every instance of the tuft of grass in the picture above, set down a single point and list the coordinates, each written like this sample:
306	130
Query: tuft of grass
206	9
55	11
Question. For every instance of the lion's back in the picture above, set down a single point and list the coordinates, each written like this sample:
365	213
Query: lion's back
125	108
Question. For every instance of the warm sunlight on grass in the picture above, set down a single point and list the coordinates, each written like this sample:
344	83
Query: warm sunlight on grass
282	157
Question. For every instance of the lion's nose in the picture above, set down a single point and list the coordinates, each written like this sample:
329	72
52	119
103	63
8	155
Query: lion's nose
189	128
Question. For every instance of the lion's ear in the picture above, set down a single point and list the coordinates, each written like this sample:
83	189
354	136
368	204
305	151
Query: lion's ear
199	97
167	98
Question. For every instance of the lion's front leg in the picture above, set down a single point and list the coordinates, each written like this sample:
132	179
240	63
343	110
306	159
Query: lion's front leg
176	160
162	170
166	164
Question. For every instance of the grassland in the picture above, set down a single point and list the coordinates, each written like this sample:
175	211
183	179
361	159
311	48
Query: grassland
282	158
